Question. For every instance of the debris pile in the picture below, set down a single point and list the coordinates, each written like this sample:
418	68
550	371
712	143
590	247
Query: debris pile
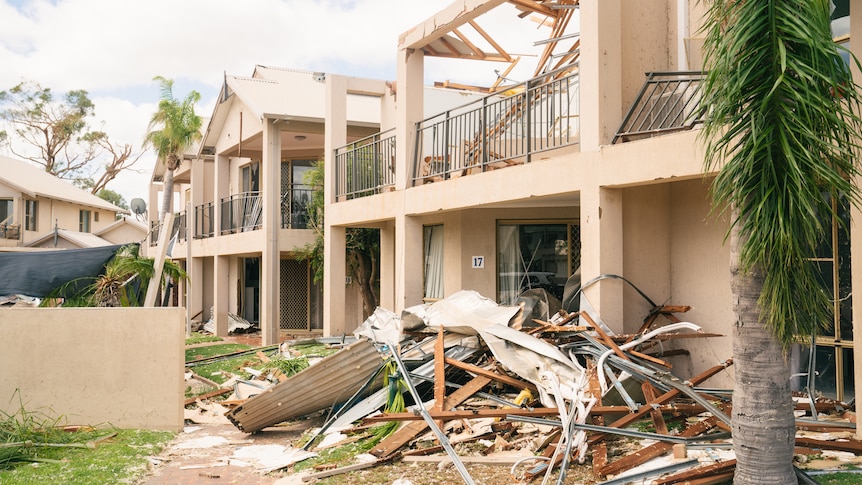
483	382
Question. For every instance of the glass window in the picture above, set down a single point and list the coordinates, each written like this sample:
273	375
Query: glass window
84	221
533	256
251	177
30	210
6	211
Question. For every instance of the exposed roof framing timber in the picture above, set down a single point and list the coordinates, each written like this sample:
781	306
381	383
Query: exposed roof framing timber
491	40
534	6
478	52
420	36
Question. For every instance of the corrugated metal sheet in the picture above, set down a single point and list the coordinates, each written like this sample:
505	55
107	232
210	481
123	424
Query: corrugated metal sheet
331	381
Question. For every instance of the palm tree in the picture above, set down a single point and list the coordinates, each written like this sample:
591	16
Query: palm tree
173	129
781	131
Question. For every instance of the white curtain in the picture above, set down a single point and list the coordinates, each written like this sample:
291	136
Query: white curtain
509	262
434	262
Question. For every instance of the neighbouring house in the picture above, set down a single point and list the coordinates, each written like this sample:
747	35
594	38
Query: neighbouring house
241	196
40	210
590	167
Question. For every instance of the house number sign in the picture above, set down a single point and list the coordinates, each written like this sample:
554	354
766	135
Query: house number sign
478	262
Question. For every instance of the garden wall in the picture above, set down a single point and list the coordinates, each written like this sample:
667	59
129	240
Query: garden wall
118	367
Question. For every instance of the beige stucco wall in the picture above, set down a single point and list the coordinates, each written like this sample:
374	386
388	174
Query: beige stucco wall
95	366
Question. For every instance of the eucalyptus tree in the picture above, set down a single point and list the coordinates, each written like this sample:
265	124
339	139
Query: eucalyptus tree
781	132
173	128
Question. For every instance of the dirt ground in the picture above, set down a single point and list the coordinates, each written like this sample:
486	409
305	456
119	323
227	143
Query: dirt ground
206	454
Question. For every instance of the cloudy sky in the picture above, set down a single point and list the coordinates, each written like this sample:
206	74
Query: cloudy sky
113	49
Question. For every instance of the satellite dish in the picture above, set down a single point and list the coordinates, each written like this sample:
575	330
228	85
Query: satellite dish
138	206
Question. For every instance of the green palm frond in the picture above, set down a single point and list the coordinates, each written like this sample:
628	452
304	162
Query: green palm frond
782	129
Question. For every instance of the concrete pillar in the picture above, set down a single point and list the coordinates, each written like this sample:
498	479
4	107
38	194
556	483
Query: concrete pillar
856	218
408	262
221	294
270	263
221	266
335	252
602	251
601	72
387	266
409	101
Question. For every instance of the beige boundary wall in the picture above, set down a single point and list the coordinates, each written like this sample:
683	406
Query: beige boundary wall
118	367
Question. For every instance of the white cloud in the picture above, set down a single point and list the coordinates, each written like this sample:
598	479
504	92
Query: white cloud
113	49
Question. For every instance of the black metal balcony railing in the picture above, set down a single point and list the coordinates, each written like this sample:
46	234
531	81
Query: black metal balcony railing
366	166
499	130
204	221
154	232
10	231
178	230
241	212
180	226
294	207
667	102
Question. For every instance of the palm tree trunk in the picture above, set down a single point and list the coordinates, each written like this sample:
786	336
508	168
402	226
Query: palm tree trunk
762	420
168	194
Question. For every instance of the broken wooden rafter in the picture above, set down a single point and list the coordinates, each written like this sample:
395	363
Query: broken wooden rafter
519	384
464	414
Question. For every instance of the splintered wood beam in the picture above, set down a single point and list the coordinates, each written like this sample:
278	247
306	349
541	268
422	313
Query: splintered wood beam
657	449
396	440
492	375
852	446
600	450
439	374
531	6
464	414
714	469
656	414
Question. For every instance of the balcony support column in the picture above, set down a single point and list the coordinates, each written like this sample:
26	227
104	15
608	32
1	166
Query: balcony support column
410	75
602	251
335	245
270	263
601	72
221	294
408	262
335	280
387	266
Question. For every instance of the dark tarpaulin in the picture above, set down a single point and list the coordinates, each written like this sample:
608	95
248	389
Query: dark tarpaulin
37	273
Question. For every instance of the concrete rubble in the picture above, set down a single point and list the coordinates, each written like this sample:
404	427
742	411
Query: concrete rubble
532	387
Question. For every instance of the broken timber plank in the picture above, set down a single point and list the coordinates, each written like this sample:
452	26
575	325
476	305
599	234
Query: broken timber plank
853	446
491	374
657	449
464	414
217	392
600	450
401	437
718	468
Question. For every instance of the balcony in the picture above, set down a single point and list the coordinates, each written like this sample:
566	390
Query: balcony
294	207
178	231
498	131
366	166
667	102
241	213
